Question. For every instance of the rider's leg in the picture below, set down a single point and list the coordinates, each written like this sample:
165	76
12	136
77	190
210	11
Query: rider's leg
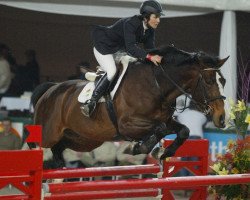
107	63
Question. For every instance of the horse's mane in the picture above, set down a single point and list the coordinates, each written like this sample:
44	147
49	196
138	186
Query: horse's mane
174	56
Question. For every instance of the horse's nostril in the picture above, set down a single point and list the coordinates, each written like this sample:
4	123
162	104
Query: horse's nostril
222	120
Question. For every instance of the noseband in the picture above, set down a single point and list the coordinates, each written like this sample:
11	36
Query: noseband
204	106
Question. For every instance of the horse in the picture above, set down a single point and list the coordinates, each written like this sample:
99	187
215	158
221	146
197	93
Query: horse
143	104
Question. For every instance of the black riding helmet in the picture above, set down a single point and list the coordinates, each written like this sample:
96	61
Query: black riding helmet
151	7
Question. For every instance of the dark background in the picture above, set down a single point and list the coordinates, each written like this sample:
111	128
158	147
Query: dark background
63	41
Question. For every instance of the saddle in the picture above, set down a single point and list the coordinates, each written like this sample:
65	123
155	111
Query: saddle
122	60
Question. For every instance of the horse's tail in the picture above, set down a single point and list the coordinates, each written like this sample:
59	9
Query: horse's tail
39	91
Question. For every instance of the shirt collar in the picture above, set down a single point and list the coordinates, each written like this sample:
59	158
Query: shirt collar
144	25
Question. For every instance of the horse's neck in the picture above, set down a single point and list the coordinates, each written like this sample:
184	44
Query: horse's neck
142	80
181	79
139	80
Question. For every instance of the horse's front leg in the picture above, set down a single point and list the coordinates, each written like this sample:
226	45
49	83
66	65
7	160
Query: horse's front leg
148	143
182	134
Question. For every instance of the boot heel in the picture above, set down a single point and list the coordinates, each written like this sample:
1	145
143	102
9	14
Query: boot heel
85	110
88	108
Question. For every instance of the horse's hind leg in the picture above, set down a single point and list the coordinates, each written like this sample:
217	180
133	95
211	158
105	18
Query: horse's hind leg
57	151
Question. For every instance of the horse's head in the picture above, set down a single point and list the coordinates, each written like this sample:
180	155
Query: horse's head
207	89
197	74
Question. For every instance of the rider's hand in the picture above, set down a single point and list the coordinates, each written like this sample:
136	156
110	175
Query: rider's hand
156	59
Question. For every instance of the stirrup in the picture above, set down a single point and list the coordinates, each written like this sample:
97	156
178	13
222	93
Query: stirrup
88	108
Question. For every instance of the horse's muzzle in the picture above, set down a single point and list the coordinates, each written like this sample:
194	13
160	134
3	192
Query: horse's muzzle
222	121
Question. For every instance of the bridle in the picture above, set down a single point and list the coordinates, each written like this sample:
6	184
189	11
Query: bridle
204	106
206	100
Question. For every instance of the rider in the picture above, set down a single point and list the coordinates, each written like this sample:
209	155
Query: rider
125	34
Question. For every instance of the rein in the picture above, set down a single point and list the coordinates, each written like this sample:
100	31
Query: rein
205	105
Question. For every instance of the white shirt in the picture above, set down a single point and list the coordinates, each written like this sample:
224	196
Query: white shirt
194	120
145	27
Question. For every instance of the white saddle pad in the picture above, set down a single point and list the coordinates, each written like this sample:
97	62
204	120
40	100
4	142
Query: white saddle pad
87	91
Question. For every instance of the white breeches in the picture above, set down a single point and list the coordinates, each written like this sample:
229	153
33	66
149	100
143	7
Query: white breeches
107	63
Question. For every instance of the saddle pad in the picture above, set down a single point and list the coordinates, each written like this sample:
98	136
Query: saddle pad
87	92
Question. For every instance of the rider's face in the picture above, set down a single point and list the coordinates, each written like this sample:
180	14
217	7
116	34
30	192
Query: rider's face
154	21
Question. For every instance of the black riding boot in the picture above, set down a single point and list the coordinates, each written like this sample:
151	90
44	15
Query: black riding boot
101	87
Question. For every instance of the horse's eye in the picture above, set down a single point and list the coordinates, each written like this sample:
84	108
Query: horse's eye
210	80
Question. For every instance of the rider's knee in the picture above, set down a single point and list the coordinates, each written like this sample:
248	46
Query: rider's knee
111	73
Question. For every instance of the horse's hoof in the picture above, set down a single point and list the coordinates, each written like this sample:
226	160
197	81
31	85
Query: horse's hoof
133	149
157	153
129	149
167	153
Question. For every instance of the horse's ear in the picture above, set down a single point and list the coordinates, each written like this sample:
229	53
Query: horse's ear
221	62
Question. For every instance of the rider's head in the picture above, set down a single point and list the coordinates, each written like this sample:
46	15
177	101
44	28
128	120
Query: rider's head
151	11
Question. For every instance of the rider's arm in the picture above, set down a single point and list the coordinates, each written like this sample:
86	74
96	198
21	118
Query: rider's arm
149	42
130	27
156	59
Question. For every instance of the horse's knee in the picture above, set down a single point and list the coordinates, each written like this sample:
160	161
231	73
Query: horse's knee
184	133
160	130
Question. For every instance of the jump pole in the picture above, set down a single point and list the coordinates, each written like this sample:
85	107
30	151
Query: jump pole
101	171
110	194
169	183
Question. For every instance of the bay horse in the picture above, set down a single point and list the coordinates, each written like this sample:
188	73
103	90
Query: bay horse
143	105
